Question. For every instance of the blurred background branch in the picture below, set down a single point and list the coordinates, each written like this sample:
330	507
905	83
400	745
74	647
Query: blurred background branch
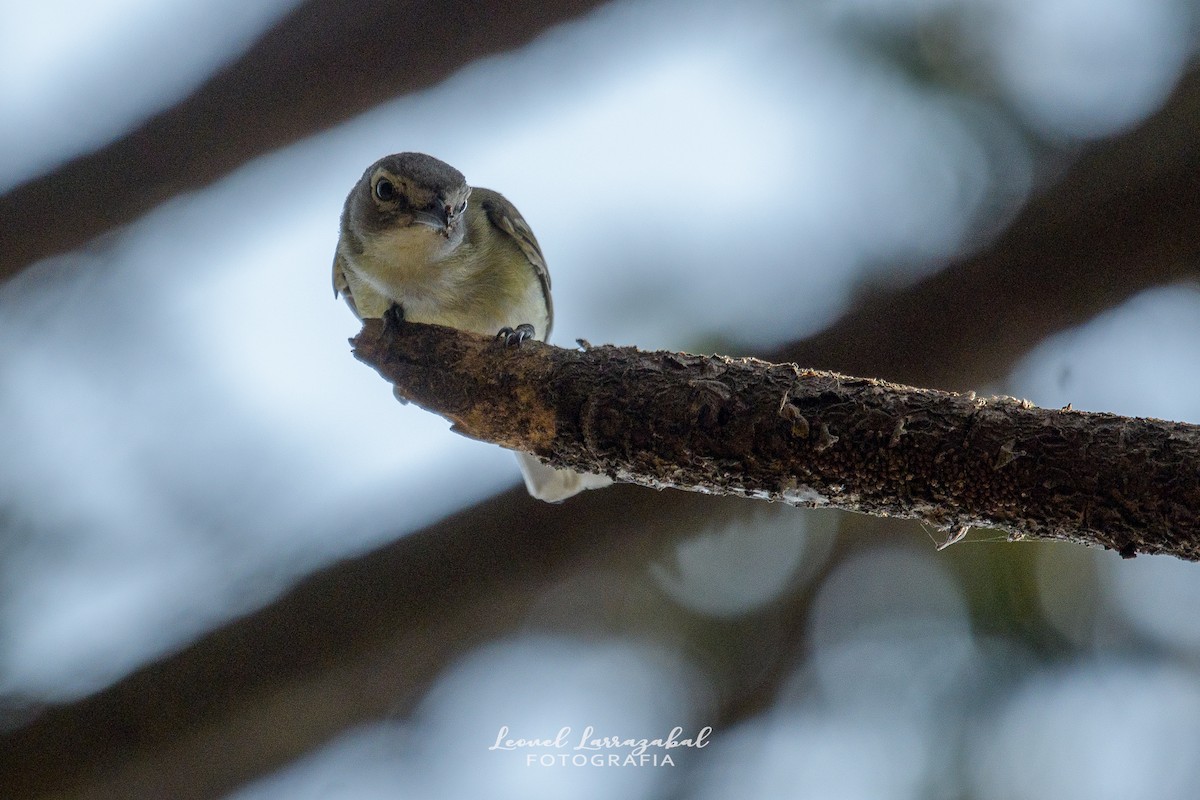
1120	220
327	61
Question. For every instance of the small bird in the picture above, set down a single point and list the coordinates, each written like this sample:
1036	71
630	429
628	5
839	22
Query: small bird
416	238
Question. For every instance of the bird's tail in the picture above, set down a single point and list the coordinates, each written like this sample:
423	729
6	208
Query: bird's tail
555	485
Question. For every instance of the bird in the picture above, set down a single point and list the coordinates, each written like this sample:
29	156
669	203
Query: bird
417	242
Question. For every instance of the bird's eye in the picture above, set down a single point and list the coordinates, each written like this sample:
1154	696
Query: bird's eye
461	207
385	190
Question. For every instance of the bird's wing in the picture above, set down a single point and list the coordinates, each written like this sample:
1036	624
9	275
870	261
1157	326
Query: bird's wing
341	285
505	216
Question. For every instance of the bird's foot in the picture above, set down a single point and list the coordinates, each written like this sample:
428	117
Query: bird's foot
512	337
393	318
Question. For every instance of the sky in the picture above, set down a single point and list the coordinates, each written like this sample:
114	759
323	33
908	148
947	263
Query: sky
188	435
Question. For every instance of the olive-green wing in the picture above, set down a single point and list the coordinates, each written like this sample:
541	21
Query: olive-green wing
341	285
505	216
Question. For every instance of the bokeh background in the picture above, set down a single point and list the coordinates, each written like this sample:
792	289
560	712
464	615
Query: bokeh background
232	566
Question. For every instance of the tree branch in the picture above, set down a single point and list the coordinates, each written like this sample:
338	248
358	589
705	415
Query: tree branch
774	431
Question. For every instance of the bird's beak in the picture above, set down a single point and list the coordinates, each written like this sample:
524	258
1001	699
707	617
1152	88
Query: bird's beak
438	220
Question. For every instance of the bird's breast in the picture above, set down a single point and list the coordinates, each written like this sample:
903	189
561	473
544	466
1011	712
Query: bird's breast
437	283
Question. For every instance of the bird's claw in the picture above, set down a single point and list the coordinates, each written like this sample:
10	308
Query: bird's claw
512	337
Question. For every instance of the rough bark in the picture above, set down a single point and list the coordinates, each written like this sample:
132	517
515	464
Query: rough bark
718	425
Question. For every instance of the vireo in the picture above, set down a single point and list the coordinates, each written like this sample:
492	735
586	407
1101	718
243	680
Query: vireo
416	236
